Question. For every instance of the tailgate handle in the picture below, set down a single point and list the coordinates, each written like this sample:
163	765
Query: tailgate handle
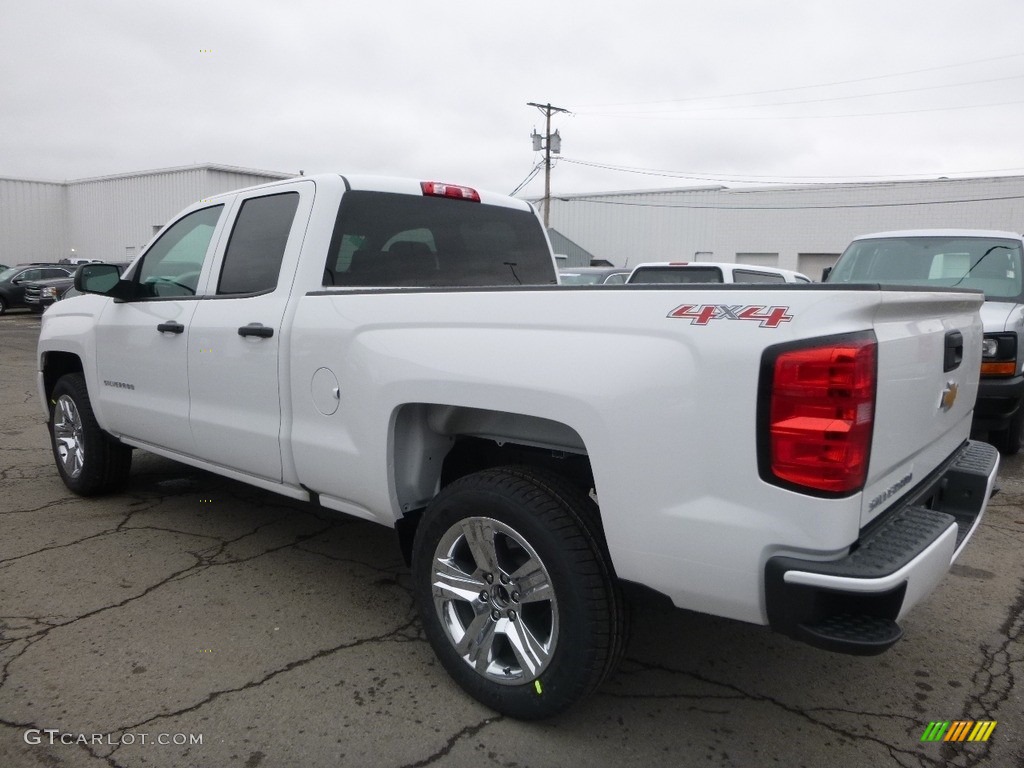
954	353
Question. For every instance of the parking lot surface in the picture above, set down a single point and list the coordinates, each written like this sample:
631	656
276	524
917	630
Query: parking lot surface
194	621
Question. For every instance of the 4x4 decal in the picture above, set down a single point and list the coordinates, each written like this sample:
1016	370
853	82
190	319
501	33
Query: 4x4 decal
702	314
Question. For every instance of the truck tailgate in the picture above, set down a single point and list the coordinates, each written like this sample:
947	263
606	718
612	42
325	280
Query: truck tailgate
929	354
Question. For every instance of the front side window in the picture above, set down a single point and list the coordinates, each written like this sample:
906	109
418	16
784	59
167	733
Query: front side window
172	265
383	239
255	251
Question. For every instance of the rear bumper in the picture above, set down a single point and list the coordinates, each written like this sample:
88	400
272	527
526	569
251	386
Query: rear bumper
998	402
851	605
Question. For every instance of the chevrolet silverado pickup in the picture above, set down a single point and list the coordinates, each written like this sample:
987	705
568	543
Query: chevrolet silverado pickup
400	351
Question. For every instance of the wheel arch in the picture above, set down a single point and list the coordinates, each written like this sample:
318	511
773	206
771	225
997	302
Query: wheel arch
54	365
432	445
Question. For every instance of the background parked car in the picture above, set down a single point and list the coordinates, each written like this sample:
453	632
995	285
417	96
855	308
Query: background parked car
982	260
711	272
592	275
14	280
65	289
39	294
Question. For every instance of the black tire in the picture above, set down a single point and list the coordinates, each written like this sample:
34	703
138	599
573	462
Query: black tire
1007	441
539	650
89	461
3	305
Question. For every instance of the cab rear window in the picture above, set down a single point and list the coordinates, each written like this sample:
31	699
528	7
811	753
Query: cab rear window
383	239
677	275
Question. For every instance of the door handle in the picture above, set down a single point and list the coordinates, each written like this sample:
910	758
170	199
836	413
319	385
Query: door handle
171	327
256	329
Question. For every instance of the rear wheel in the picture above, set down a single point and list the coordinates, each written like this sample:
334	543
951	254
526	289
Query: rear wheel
515	590
3	305
89	461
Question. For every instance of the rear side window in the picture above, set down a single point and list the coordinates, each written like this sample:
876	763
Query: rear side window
677	275
753	276
393	240
253	257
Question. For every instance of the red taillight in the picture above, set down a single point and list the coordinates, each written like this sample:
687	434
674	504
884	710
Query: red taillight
821	414
437	189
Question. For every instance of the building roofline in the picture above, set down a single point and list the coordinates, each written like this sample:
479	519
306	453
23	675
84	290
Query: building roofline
154	171
806	187
185	169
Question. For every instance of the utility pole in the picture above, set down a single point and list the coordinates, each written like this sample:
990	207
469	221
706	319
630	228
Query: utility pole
549	145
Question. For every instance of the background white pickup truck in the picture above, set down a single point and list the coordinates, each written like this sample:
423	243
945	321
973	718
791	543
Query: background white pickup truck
983	260
795	456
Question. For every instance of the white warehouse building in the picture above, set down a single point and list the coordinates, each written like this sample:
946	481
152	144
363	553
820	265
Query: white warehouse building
109	218
802	227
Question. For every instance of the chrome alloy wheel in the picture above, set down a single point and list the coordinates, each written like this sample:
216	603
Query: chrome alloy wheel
68	436
494	597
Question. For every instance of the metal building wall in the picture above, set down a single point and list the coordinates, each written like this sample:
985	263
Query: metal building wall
113	217
32	221
811	220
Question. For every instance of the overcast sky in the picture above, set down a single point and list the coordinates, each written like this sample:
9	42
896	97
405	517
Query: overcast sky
662	93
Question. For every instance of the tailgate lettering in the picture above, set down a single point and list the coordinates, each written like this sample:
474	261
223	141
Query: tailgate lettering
702	314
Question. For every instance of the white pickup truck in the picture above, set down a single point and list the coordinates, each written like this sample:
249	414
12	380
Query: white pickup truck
795	456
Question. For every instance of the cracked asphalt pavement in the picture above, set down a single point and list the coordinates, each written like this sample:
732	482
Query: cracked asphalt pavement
195	621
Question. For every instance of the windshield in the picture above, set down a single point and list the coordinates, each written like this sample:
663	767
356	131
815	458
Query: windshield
7	274
992	265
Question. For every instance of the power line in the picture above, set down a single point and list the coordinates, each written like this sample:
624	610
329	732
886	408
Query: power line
763	179
808	87
668	115
804	101
529	177
789	207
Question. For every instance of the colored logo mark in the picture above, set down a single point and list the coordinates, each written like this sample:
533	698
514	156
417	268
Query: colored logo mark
959	730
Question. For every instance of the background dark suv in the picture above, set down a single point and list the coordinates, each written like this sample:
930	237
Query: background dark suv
14	280
39	294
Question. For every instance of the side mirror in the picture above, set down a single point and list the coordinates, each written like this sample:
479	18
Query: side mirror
825	273
104	279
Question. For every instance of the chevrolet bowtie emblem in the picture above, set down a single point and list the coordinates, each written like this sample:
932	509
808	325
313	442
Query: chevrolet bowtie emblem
948	396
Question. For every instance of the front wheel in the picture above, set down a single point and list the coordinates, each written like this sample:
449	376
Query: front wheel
515	591
89	461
